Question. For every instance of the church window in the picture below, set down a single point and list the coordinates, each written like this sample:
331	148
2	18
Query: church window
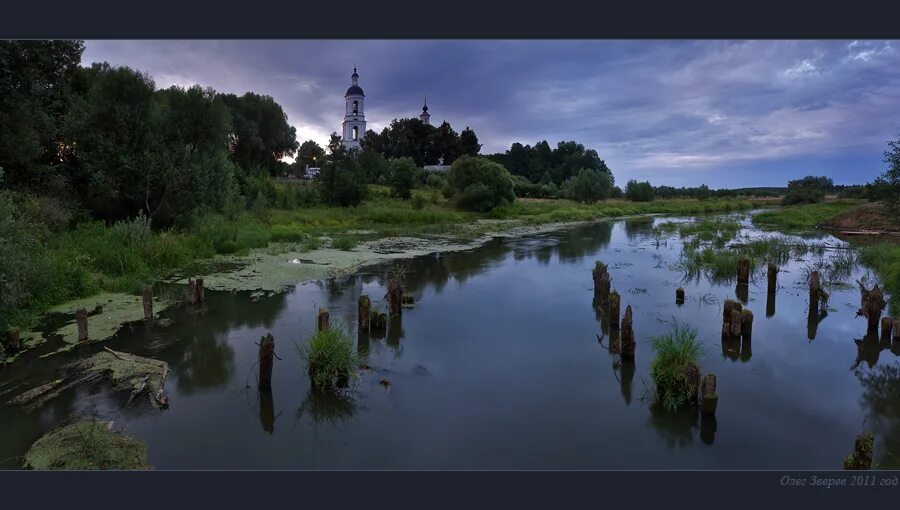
355	132
355	107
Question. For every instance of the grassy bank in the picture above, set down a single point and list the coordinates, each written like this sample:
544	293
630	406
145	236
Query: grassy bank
885	260
63	263
801	217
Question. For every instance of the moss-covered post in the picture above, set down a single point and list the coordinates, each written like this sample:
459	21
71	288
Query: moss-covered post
887	325
709	397
679	296
614	303
627	333
322	320
746	323
191	292
201	291
148	302
266	360
363	312
81	323
861	458
871	304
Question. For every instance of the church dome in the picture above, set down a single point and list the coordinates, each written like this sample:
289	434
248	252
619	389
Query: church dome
354	90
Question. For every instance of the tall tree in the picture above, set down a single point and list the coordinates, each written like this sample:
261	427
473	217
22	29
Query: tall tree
310	154
262	135
468	142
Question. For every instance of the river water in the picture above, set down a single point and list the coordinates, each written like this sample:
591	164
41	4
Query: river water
499	366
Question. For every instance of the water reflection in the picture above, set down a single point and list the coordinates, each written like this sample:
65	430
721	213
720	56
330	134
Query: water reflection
626	376
868	349
881	399
394	331
639	228
266	411
327	407
770	304
676	427
708	427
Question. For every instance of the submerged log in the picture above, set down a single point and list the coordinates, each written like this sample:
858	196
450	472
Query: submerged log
679	296
871	305
627	334
861	458
743	271
81	323
322	320
266	361
614	302
148	302
363	312
709	397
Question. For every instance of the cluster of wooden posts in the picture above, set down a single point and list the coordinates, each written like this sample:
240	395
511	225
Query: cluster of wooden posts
610	301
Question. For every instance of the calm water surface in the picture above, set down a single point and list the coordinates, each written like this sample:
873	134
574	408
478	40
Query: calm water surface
499	366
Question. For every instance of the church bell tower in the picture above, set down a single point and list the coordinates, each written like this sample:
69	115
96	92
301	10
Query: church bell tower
354	126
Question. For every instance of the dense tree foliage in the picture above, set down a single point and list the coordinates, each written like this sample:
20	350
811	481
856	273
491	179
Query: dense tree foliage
403	177
544	165
309	154
638	191
423	143
588	186
480	184
342	180
889	182
808	190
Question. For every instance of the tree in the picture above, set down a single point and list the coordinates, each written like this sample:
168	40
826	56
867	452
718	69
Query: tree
261	135
808	190
587	186
703	192
889	183
639	191
341	181
310	154
468	142
403	177
376	168
480	184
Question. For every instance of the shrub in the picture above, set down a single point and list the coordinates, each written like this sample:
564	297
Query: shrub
330	358
435	180
808	190
345	243
480	184
403	177
703	192
675	369
616	192
638	191
418	202
587	186
342	182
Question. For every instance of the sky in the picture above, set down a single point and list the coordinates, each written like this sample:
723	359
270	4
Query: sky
680	113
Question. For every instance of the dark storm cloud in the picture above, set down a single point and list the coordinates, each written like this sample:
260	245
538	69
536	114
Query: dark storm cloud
676	112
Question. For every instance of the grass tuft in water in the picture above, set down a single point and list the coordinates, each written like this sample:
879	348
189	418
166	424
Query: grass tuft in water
330	358
675	369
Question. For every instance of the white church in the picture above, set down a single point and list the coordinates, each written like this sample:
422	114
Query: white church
354	126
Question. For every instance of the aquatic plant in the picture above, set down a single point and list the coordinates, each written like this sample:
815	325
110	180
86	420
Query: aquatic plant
675	369
86	445
330	358
885	260
345	243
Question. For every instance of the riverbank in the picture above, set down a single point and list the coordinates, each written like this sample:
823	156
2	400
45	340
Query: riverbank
104	267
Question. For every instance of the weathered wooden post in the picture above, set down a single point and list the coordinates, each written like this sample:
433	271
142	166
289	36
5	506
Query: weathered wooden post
736	319
191	292
746	323
628	343
814	288
395	297
81	323
887	325
266	360
728	317
605	285
201	291
322	320
597	274
363	312
709	399
770	304
679	296
861	458
743	271
13	342
148	302
773	278
871	304
614	303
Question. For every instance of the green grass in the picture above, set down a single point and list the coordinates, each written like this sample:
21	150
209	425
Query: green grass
346	243
801	217
330	358
678	352
885	260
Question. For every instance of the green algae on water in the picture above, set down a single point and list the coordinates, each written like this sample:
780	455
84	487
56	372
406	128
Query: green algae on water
87	445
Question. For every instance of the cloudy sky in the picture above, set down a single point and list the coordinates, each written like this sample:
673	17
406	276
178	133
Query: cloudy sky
724	113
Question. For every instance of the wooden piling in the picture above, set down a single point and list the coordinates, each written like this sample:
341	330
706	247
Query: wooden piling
605	285
887	325
814	288
746	323
773	278
81	323
191	292
770	304
201	291
148	302
13	342
871	304
322	320
727	308
597	275
395	297
709	398
736	319
627	335
363	312
266	361
679	296
743	271
614	303
861	458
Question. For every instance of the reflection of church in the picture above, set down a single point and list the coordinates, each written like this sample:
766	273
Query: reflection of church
354	126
